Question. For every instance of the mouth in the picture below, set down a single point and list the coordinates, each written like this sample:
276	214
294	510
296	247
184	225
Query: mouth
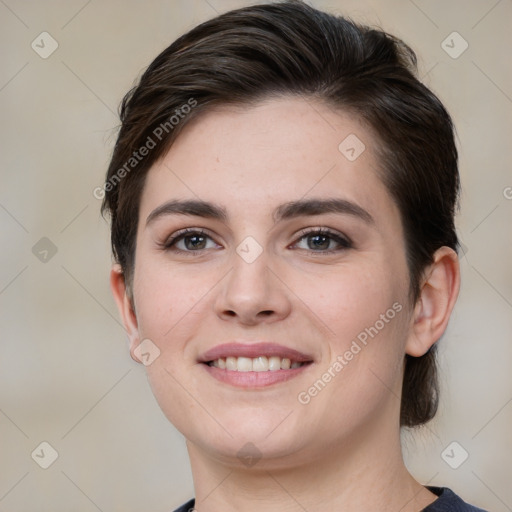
254	365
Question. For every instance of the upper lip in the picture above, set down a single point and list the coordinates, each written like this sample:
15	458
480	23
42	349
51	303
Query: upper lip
237	349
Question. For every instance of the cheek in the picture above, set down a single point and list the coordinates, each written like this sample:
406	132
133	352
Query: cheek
365	312
350	299
169	307
167	299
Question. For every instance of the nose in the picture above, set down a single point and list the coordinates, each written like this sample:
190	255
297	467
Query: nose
252	293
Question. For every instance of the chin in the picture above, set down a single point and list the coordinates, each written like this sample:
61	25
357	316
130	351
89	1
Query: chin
251	431
241	451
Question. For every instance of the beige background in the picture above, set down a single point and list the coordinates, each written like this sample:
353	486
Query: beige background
66	376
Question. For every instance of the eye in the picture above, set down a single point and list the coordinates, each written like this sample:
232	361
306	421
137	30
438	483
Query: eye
322	240
189	241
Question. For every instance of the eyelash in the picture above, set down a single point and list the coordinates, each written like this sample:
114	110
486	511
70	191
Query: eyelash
344	242
168	244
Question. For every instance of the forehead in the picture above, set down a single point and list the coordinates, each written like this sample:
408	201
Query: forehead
280	150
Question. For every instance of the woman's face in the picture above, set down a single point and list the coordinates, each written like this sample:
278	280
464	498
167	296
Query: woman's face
267	276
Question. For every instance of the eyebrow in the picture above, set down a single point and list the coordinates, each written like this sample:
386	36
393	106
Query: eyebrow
320	206
286	211
188	207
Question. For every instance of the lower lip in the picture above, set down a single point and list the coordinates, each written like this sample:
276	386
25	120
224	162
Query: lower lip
254	379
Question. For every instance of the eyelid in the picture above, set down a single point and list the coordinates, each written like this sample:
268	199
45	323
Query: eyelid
174	237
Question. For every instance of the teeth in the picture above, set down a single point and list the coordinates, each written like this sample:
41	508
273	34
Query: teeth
260	364
274	363
244	364
256	364
231	363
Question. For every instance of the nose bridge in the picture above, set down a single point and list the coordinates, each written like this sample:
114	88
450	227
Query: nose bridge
249	278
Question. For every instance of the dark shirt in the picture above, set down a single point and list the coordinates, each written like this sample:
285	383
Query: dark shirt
448	501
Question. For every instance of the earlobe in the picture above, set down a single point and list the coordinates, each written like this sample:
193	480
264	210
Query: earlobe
125	307
435	304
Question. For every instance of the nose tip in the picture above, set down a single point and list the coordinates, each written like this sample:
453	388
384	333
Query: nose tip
251	294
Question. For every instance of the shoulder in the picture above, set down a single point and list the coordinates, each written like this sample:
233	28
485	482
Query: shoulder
448	501
187	507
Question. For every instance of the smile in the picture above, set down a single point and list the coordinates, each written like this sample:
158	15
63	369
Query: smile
255	364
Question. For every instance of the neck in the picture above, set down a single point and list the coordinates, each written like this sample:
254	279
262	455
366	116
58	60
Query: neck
363	473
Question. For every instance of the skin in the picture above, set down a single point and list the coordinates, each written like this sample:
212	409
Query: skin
340	451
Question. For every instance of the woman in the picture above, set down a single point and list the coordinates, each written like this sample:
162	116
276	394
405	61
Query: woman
282	195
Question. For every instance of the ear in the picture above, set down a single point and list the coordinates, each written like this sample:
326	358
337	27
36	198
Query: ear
125	307
437	297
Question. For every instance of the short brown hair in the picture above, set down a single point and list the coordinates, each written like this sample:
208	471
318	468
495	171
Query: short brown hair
290	48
